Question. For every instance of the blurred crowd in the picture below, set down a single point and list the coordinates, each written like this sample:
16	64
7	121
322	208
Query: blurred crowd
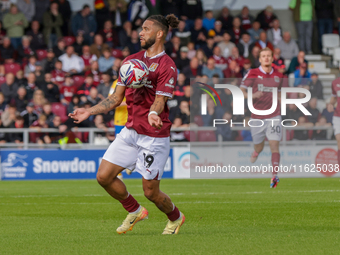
53	61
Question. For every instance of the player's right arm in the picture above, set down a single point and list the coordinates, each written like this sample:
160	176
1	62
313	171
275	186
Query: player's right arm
106	105
247	82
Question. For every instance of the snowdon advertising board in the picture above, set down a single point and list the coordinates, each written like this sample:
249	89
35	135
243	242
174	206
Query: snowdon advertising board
58	164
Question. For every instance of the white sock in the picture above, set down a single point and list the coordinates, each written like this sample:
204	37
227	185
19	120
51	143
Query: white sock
138	210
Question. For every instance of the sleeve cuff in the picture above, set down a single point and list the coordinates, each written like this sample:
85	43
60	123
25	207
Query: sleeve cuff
120	84
162	93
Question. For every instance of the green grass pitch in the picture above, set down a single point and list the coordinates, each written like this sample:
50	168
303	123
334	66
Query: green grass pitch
301	216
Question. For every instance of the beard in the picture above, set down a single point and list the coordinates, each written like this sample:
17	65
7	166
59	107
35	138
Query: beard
148	43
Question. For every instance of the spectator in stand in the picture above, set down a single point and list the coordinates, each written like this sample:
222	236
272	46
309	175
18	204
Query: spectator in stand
60	48
337	13
49	62
182	119
39	73
209	47
182	33
2	32
246	18
3	104
246	134
9	88
190	11
220	61
40	7
50	89
29	115
274	34
288	47
39	137
3	136
266	18
36	37
246	67
87	57
210	69
9	115
27	7
47	111
209	20
255	31
254	57
105	86
278	63
233	70
313	110
84	90
202	58
56	124
302	134
193	70
244	46
217	32
98	46
179	88
21	100
134	43
125	52
182	61
167	7
226	19
198	33
237	31
212	113
94	72
302	76
64	9
235	55
225	130
17	138
105	61
93	96
263	42
15	22
20	79
52	25
67	90
324	13
293	112
109	35
226	45
24	50
172	47
71	62
58	75
328	113
124	34
321	134
5	8
74	104
31	86
316	87
7	51
85	23
297	61
191	50
114	71
31	65
79	44
303	15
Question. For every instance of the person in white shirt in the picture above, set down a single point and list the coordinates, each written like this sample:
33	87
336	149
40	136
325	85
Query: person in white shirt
226	45
274	34
288	47
71	62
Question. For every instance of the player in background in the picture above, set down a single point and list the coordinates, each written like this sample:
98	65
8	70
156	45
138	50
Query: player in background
144	142
335	100
263	80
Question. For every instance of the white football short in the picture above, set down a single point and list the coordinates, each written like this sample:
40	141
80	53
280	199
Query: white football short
147	155
270	129
336	125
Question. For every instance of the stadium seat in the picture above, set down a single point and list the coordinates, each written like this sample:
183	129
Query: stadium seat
69	40
206	136
42	54
190	135
329	42
336	56
117	53
78	80
198	120
291	79
239	136
60	110
12	68
2	80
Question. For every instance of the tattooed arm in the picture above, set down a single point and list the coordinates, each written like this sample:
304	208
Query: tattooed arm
106	105
157	108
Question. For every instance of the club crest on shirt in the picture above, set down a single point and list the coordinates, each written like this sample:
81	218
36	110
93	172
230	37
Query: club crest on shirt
276	79
171	81
153	67
338	85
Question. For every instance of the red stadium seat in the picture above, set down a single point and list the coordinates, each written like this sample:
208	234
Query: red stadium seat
12	68
60	110
78	80
117	53
198	120
42	54
190	136
239	136
69	40
2	80
206	136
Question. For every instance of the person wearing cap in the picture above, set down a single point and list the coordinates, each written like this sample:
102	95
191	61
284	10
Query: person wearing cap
246	18
303	15
182	61
266	18
302	76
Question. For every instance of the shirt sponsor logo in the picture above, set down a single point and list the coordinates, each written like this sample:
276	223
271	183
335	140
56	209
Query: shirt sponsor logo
153	67
276	79
262	88
169	85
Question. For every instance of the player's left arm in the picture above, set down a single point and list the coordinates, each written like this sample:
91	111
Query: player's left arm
155	110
